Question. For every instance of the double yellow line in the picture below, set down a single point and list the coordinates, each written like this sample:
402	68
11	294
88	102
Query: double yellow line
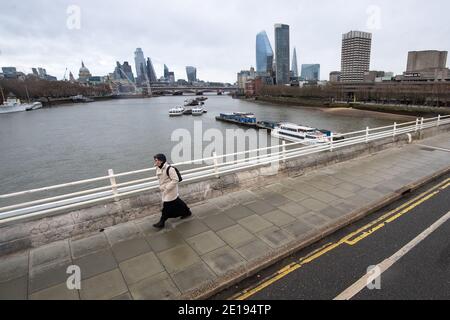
350	239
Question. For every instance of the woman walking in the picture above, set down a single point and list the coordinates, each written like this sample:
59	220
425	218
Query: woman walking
173	206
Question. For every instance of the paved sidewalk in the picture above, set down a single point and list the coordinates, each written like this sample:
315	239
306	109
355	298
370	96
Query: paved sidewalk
226	236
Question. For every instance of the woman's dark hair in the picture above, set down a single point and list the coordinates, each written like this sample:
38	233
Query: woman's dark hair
160	157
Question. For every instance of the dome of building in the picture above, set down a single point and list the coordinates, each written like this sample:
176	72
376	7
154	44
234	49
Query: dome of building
84	73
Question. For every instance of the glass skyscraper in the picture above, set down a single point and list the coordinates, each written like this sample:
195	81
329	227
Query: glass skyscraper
128	71
310	72
294	64
264	53
282	54
139	61
191	73
150	71
166	72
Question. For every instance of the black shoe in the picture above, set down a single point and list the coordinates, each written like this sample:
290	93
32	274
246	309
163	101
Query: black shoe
186	216
159	225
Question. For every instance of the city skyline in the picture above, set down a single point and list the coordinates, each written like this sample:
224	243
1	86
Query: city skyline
102	40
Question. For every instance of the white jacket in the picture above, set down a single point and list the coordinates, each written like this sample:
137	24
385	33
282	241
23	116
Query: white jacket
168	184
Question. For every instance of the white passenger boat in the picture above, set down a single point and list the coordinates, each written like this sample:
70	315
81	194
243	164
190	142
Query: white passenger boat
12	104
197	111
305	135
175	112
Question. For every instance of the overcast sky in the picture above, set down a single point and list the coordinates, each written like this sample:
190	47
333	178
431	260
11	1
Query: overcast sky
217	37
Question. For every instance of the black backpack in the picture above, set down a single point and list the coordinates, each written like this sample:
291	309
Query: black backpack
177	171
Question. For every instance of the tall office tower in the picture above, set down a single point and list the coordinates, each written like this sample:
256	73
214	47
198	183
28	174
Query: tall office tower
356	47
151	74
118	72
264	53
310	72
166	72
43	72
128	71
191	73
35	72
171	77
139	61
294	69
282	53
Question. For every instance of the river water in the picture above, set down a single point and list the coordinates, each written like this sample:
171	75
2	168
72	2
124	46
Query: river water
80	141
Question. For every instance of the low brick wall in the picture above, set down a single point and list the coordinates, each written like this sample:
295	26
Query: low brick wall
34	232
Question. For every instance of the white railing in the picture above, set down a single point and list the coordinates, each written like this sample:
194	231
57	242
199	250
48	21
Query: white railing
214	166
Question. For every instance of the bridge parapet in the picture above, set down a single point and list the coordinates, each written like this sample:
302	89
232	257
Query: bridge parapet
27	225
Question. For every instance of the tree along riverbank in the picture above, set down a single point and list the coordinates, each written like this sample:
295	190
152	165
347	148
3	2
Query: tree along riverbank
410	110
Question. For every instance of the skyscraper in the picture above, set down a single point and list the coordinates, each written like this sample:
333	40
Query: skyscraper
282	53
171	77
356	47
264	53
43	72
166	72
294	64
128	71
151	74
191	73
118	71
139	61
310	72
123	72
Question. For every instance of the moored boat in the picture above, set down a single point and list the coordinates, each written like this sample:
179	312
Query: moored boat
191	103
34	106
297	133
198	111
242	118
12	104
175	112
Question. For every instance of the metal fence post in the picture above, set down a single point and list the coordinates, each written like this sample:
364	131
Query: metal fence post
417	124
439	120
395	129
421	124
216	168
284	150
112	179
367	134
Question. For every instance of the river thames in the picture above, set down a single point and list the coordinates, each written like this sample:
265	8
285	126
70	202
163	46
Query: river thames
80	141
